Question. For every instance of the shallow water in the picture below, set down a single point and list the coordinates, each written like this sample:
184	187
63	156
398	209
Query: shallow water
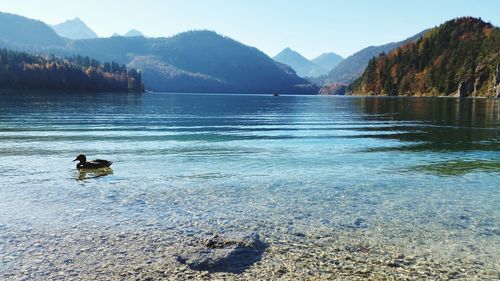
334	185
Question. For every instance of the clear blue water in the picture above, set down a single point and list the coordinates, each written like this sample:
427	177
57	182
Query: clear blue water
423	172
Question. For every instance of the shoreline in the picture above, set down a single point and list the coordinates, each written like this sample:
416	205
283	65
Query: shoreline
424	96
56	91
150	253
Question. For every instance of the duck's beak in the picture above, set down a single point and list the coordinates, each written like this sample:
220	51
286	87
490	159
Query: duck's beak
75	160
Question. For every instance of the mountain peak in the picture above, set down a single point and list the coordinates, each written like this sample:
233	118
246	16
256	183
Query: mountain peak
468	21
134	33
74	29
299	63
328	60
289	50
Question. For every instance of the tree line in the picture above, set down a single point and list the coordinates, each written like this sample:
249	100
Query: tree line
20	70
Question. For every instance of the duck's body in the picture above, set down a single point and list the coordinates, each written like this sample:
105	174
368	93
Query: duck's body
94	164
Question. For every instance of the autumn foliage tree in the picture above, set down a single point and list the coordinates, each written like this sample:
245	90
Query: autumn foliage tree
460	57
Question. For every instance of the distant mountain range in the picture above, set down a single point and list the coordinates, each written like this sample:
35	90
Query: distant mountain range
196	61
459	58
74	29
353	66
308	68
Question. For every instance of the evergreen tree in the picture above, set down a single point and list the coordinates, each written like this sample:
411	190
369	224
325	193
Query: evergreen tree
24	71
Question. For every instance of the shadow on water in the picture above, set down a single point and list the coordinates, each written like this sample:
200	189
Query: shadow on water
82	175
218	255
459	167
443	125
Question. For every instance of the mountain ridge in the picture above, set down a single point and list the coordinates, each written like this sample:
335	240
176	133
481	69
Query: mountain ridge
21	32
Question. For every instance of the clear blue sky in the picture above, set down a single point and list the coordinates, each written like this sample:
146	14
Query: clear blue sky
308	26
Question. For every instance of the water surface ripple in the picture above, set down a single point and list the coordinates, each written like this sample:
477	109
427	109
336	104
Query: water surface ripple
337	186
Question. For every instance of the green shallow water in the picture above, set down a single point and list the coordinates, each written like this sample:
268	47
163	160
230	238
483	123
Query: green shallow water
317	177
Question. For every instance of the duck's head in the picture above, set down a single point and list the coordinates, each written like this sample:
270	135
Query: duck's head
81	158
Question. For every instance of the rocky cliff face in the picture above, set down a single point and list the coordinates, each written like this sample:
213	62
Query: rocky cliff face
496	82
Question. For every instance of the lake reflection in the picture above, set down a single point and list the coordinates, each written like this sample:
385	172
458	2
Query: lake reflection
82	175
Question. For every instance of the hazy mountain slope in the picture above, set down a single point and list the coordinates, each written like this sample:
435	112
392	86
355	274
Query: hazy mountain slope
353	66
74	29
21	32
303	66
460	57
328	60
225	64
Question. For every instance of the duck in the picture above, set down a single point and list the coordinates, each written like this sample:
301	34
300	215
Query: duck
94	164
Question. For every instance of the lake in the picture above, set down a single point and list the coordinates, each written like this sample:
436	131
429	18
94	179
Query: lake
337	187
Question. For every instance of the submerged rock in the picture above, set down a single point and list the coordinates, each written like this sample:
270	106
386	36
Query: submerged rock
358	223
234	253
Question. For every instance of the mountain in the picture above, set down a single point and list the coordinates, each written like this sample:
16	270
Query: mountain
353	66
74	29
203	61
303	66
460	58
21	32
195	61
20	70
134	33
328	60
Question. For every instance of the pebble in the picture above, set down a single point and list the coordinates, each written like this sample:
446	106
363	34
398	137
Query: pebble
89	254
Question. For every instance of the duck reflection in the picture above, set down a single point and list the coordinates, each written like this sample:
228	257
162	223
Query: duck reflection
83	174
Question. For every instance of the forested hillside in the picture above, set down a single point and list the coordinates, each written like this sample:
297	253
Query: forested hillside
460	57
353	66
19	70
